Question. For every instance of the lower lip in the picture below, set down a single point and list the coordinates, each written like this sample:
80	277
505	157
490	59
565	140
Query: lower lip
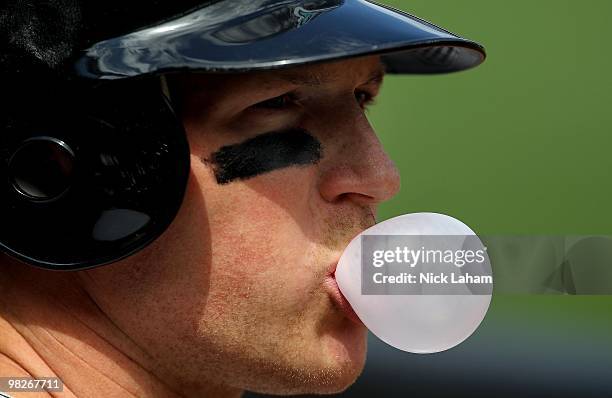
339	300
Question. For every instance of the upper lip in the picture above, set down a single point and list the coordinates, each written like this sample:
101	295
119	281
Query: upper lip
334	264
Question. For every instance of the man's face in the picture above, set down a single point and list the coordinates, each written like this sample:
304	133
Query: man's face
239	291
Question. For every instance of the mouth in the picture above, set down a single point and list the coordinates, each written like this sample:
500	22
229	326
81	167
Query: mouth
338	298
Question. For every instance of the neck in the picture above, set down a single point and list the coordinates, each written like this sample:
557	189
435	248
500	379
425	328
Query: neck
51	327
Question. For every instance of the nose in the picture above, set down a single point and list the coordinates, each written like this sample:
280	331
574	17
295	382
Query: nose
355	165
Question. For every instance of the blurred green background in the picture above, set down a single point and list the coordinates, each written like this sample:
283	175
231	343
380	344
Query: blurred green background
519	145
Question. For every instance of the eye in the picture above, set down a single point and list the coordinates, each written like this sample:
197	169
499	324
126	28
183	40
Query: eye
364	99
280	102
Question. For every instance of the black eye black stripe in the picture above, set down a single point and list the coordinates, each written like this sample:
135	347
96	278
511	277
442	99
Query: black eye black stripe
264	153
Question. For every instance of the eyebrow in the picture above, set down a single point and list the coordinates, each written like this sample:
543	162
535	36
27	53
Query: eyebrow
316	79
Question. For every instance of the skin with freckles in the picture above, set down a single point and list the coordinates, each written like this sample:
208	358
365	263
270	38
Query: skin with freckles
237	294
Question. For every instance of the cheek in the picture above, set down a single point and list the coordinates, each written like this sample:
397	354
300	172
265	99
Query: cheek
260	238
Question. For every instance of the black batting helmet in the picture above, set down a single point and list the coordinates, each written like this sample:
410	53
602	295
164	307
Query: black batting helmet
94	162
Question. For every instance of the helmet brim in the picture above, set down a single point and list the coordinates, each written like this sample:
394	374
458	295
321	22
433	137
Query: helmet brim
256	35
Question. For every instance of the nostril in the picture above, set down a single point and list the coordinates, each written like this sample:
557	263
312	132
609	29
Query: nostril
357	197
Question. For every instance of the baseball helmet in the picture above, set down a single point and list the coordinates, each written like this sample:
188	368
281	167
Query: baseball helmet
94	161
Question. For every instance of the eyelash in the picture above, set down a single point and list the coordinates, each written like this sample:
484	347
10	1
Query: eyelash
288	99
280	102
367	101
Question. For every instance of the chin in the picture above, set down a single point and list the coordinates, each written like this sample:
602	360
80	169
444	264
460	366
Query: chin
330	365
338	362
345	356
335	380
331	378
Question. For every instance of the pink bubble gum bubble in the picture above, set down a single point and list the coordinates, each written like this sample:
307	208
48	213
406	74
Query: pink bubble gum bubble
417	323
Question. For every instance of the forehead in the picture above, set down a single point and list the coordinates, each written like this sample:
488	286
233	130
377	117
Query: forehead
352	71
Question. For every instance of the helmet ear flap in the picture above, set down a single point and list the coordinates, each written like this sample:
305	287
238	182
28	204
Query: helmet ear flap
98	174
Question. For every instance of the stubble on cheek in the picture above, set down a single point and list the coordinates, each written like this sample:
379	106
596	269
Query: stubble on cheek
268	300
343	225
270	281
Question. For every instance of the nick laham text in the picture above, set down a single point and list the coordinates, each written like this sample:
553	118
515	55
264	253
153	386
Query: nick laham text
432	278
